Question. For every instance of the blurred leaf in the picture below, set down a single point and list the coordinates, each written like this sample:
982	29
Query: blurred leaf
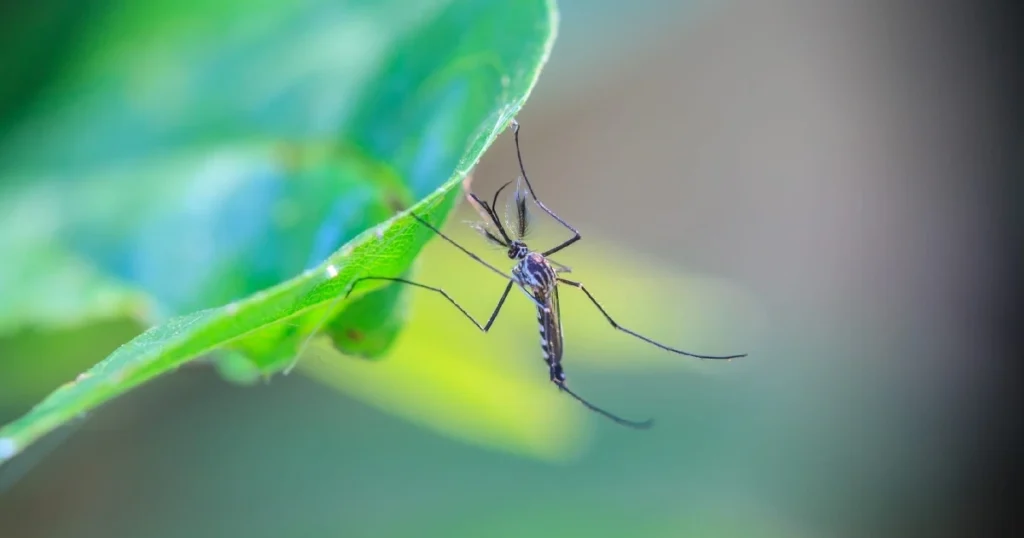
439	386
447	90
42	283
190	155
36	38
147	77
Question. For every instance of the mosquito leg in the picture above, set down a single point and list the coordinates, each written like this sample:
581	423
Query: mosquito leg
551	251
560	268
640	425
485	327
460	247
522	169
295	361
640	336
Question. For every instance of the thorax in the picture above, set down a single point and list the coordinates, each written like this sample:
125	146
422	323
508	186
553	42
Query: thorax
535	272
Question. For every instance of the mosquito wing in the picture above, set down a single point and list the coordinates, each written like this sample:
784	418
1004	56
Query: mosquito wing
517	215
550	320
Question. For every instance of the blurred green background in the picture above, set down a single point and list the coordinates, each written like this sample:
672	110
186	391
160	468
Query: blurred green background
776	178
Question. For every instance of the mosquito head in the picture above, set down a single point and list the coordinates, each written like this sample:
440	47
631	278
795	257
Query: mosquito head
517	250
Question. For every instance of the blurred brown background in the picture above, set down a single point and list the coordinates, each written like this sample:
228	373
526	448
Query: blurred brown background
837	159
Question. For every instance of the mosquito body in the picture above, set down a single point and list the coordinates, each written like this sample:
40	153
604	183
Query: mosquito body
539	279
536	275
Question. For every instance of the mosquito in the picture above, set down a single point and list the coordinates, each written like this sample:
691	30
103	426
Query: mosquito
536	274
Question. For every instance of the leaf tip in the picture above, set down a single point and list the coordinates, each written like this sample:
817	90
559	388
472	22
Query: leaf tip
7	449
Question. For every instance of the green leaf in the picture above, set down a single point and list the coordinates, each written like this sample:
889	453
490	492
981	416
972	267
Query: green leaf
447	89
189	155
368	325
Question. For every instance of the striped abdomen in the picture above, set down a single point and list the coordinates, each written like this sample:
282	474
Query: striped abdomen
550	326
540	281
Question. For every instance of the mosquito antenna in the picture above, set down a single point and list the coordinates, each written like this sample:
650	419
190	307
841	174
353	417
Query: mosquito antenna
487	213
492	215
460	247
646	424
